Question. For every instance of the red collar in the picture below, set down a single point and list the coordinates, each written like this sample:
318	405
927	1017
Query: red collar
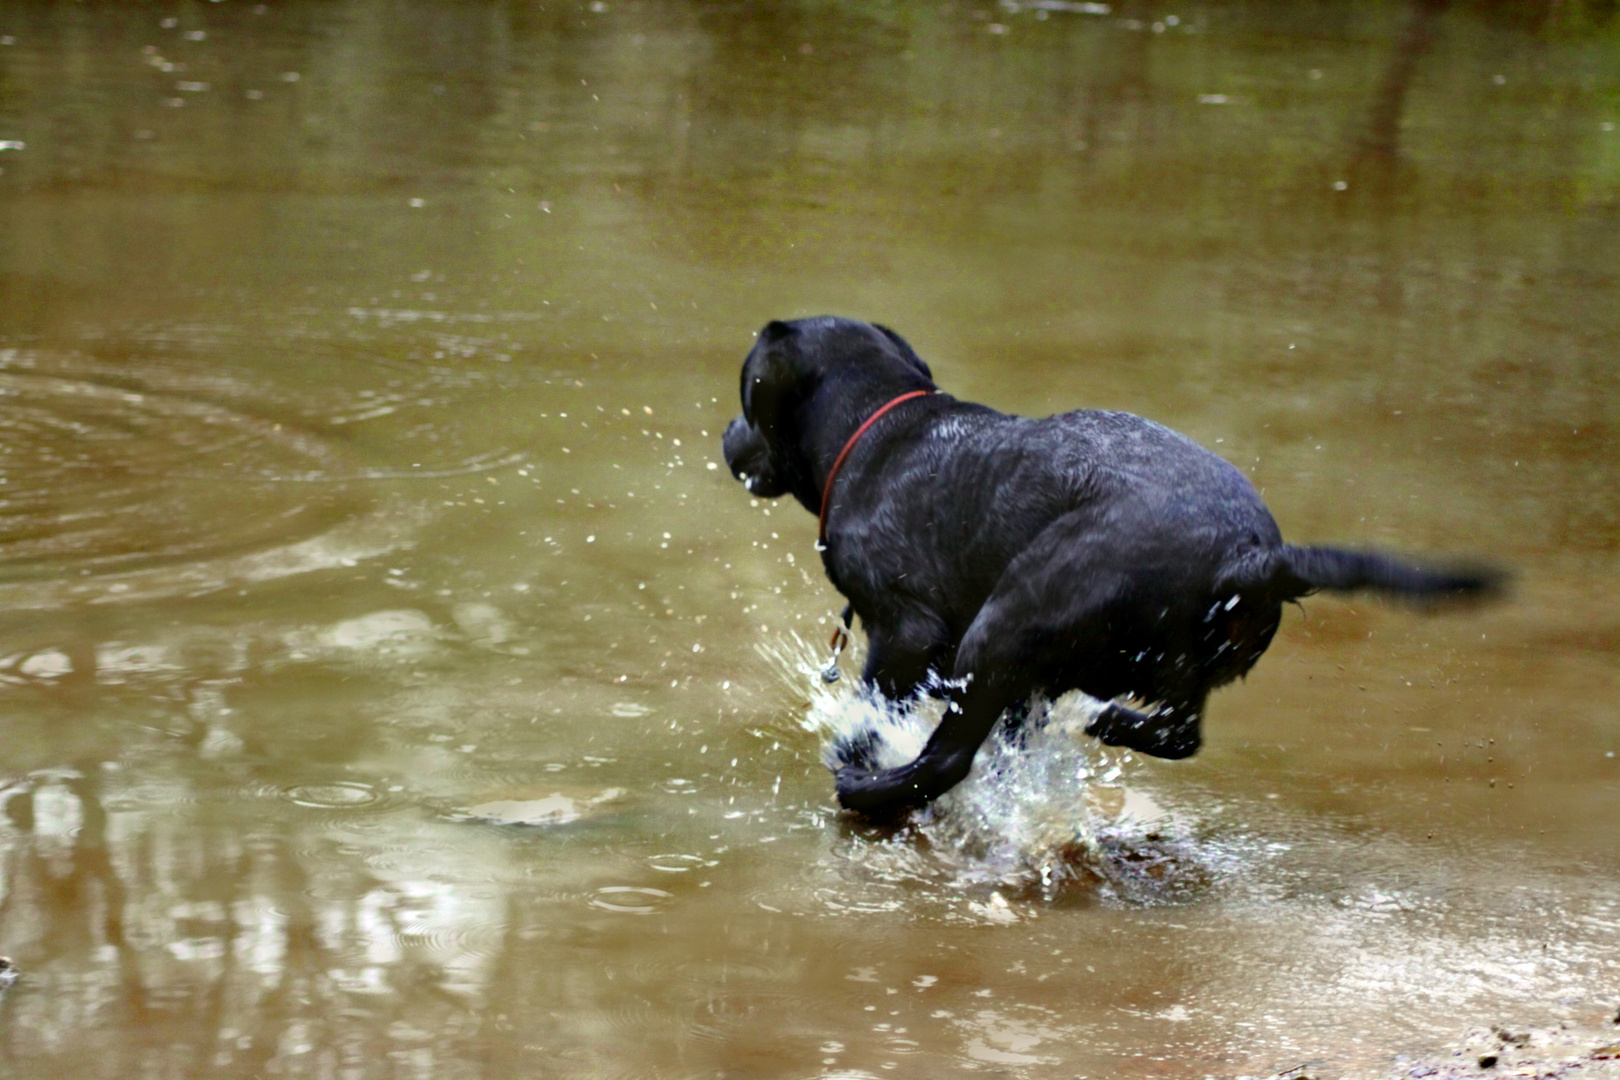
838	463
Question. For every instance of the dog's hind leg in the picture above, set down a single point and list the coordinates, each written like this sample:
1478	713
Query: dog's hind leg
1170	729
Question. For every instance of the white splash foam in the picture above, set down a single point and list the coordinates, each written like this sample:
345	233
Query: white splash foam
1043	806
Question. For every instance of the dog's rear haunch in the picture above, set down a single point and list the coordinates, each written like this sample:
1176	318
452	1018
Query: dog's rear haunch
1092	551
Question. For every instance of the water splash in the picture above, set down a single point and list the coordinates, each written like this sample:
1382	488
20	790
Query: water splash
1045	810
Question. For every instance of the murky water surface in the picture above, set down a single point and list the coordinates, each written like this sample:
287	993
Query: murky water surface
392	686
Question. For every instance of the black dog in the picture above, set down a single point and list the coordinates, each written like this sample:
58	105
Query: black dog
1093	550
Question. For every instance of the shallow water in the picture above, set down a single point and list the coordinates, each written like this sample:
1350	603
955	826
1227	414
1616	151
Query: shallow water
391	686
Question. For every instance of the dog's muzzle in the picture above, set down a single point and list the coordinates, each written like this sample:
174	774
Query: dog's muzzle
748	456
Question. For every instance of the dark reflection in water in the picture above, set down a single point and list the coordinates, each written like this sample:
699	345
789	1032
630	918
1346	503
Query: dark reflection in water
390	687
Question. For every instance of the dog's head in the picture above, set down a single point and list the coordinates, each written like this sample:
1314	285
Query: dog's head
802	380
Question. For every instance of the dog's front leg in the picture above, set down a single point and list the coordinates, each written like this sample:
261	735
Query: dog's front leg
901	652
945	762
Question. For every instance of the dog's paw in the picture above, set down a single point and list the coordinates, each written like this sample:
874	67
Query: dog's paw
874	794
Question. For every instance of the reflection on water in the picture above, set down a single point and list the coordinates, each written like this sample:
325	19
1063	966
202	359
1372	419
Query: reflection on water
391	684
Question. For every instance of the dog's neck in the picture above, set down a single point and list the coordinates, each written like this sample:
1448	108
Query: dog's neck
831	479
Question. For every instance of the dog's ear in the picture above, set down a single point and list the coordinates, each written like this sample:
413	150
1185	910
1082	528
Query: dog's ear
767	377
906	351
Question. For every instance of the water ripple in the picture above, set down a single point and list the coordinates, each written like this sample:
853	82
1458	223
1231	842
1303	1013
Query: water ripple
631	899
334	796
129	481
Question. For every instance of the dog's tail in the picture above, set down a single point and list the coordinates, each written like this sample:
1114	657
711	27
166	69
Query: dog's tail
1288	572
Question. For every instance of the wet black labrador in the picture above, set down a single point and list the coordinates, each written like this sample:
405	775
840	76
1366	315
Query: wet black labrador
1092	551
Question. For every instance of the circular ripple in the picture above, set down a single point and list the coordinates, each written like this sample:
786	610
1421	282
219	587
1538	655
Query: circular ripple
458	931
104	476
721	1012
631	899
342	795
679	864
140	478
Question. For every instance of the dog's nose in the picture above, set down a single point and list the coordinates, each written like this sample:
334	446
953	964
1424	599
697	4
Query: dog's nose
734	445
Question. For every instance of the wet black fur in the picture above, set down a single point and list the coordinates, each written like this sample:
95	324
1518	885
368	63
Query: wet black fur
1095	551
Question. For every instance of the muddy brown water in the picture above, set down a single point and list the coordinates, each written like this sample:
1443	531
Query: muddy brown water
391	685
